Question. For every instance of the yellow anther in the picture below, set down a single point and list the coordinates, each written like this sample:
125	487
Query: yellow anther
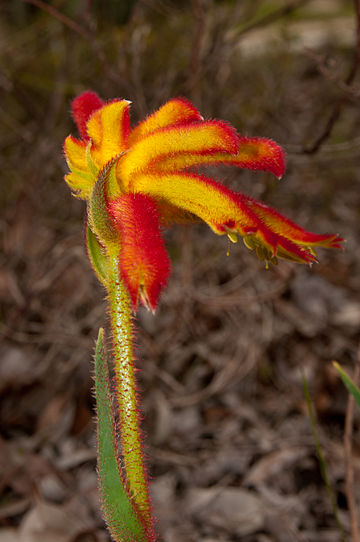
312	251
260	253
249	242
232	236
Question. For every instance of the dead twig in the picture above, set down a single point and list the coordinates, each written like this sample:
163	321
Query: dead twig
195	65
350	91
335	114
51	10
85	33
273	16
349	470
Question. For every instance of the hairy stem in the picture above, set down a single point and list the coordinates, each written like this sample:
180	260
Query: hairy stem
120	514
129	419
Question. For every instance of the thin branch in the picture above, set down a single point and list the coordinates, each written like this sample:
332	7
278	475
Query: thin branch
335	114
87	34
199	12
349	470
351	92
70	23
273	16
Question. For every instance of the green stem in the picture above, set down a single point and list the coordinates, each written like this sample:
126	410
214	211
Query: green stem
129	420
122	518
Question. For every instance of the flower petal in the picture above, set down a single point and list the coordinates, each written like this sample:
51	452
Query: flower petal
108	129
284	226
80	183
75	153
143	261
201	138
217	205
79	179
176	111
254	153
225	211
259	153
83	107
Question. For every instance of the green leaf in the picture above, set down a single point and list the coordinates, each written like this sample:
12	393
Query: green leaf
119	509
96	255
349	383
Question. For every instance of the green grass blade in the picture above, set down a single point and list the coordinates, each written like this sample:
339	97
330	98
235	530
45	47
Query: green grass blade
349	383
119	510
321	459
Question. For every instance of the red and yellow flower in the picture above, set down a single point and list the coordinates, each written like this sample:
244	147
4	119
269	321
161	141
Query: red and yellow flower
149	180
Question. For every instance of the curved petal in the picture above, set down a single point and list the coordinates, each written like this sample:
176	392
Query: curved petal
79	179
80	183
213	203
108	128
284	226
224	211
83	107
200	138
176	111
143	260
75	153
256	153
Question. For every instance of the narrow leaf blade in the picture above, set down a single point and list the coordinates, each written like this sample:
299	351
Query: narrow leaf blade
321	459
349	383
119	510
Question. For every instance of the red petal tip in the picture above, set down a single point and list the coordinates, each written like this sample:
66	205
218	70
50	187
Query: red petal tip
260	153
277	162
83	106
196	116
143	262
230	135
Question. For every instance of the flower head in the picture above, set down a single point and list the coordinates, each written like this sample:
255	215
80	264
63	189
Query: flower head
138	181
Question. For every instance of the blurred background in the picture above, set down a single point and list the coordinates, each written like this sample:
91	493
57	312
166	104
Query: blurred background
229	442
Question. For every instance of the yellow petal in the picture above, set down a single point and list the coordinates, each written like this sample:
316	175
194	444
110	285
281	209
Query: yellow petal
81	183
75	153
215	204
108	129
224	211
202	138
176	111
253	153
79	179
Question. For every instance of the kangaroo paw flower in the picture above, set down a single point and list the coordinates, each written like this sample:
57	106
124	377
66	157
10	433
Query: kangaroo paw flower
153	181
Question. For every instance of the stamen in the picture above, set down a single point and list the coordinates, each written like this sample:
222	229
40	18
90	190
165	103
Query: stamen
145	299
232	236
249	241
